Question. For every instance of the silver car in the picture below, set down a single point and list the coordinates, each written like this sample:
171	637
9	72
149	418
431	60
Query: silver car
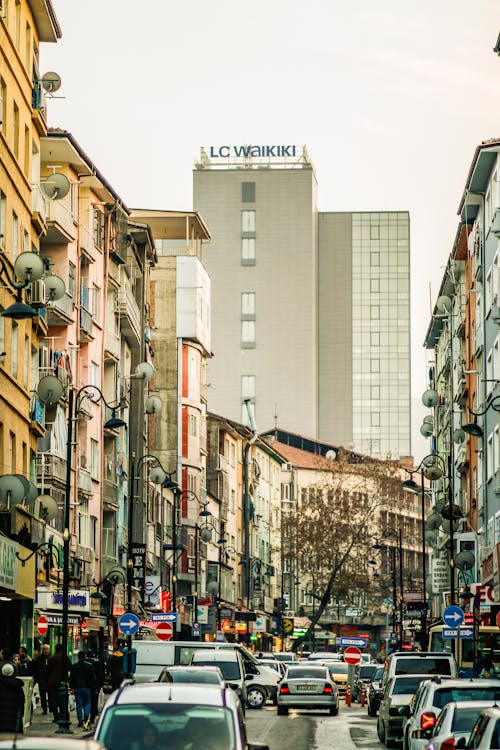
309	687
394	706
455	723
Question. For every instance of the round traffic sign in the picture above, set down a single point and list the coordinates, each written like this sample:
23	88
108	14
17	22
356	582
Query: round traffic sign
352	655
497	619
42	625
164	631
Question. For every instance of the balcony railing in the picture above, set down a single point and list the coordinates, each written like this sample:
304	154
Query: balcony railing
129	309
112	344
49	466
87	242
61	309
85	321
84	481
38	201
60	217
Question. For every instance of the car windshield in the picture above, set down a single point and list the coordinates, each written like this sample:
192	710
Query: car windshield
173	726
203	676
340	668
300	673
367	672
272	664
378	674
230	669
425	665
406	685
470	693
464	719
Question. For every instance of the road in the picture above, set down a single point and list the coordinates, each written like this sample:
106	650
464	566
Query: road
308	730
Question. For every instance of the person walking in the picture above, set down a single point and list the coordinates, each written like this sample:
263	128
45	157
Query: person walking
115	665
82	680
11	700
7	657
57	672
25	666
41	676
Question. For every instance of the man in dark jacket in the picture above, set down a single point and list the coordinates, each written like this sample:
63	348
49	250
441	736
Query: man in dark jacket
11	700
82	680
26	666
57	672
115	666
41	675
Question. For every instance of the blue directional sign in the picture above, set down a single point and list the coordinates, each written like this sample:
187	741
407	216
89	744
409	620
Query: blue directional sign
453	616
453	632
129	623
163	616
360	642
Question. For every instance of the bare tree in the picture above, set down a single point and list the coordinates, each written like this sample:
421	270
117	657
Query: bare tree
329	532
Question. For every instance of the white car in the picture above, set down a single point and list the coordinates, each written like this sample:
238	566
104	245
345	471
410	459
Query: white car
486	732
455	723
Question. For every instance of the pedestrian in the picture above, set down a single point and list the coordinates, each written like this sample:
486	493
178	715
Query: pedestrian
57	672
100	675
11	700
115	666
82	680
25	666
8	658
41	676
489	669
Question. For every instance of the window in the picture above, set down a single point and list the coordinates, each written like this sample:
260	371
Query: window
28	47
3	206
14	354
248	192
96	303
71	280
248	221
26	361
192	425
15	131
98	227
248	305
17	24
248	250
27	150
95	374
83	523
94	459
248	333
15	235
247	386
12	453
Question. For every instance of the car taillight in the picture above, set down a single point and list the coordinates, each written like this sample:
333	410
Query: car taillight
328	689
427	720
448	744
284	688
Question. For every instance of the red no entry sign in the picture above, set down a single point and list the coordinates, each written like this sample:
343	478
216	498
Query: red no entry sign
352	655
164	631
42	625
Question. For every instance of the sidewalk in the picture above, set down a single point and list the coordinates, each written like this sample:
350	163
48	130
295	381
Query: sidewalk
43	726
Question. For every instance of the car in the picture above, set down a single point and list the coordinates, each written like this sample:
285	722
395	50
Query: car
362	677
201	675
455	723
396	696
278	666
286	656
339	674
142	715
324	655
419	662
48	743
374	692
432	695
231	665
307	686
486	731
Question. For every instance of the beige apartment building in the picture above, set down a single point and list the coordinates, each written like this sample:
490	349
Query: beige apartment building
310	310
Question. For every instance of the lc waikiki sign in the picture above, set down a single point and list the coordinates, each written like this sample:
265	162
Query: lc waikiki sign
259	152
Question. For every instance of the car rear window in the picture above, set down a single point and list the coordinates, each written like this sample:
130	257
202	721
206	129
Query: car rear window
465	718
365	672
406	685
427	665
230	669
339	668
306	672
470	693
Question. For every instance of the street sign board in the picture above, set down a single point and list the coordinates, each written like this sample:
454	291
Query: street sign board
164	631
42	625
361	642
453	632
164	616
196	629
287	624
129	623
353	612
440	575
352	655
453	616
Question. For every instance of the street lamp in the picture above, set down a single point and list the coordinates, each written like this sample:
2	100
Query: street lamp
397	536
472	428
28	268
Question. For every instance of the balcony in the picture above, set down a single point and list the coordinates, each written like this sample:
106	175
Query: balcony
37	416
61	311
112	346
38	209
61	227
87	244
50	468
111	494
39	109
109	543
86	324
84	481
129	312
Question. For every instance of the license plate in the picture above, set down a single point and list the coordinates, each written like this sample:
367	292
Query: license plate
306	688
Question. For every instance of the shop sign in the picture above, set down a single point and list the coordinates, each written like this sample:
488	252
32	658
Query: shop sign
440	575
78	600
487	568
53	619
139	567
8	563
259	625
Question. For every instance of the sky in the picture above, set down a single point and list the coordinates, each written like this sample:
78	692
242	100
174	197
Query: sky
391	98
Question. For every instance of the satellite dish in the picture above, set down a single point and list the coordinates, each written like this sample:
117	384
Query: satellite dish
55	287
213	588
50	390
458	435
206	534
29	267
430	398
430	538
426	429
465	560
56	186
32	494
145	371
157	475
48	507
443	304
433	522
51	82
331	454
153	405
12	490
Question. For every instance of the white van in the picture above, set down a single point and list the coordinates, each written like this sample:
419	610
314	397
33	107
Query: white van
262	682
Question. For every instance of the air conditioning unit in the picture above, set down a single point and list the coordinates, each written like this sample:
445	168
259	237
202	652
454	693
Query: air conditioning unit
36	293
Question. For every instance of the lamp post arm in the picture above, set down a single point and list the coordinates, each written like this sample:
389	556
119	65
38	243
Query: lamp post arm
494	404
11	280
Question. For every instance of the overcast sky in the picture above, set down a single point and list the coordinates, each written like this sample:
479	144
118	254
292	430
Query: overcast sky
391	97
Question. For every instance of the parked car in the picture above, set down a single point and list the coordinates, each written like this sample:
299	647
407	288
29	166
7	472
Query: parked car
419	662
455	723
208	716
338	672
374	692
324	656
486	732
362	676
396	696
307	686
436	693
201	675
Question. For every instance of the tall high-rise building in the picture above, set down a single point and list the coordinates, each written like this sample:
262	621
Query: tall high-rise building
310	310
